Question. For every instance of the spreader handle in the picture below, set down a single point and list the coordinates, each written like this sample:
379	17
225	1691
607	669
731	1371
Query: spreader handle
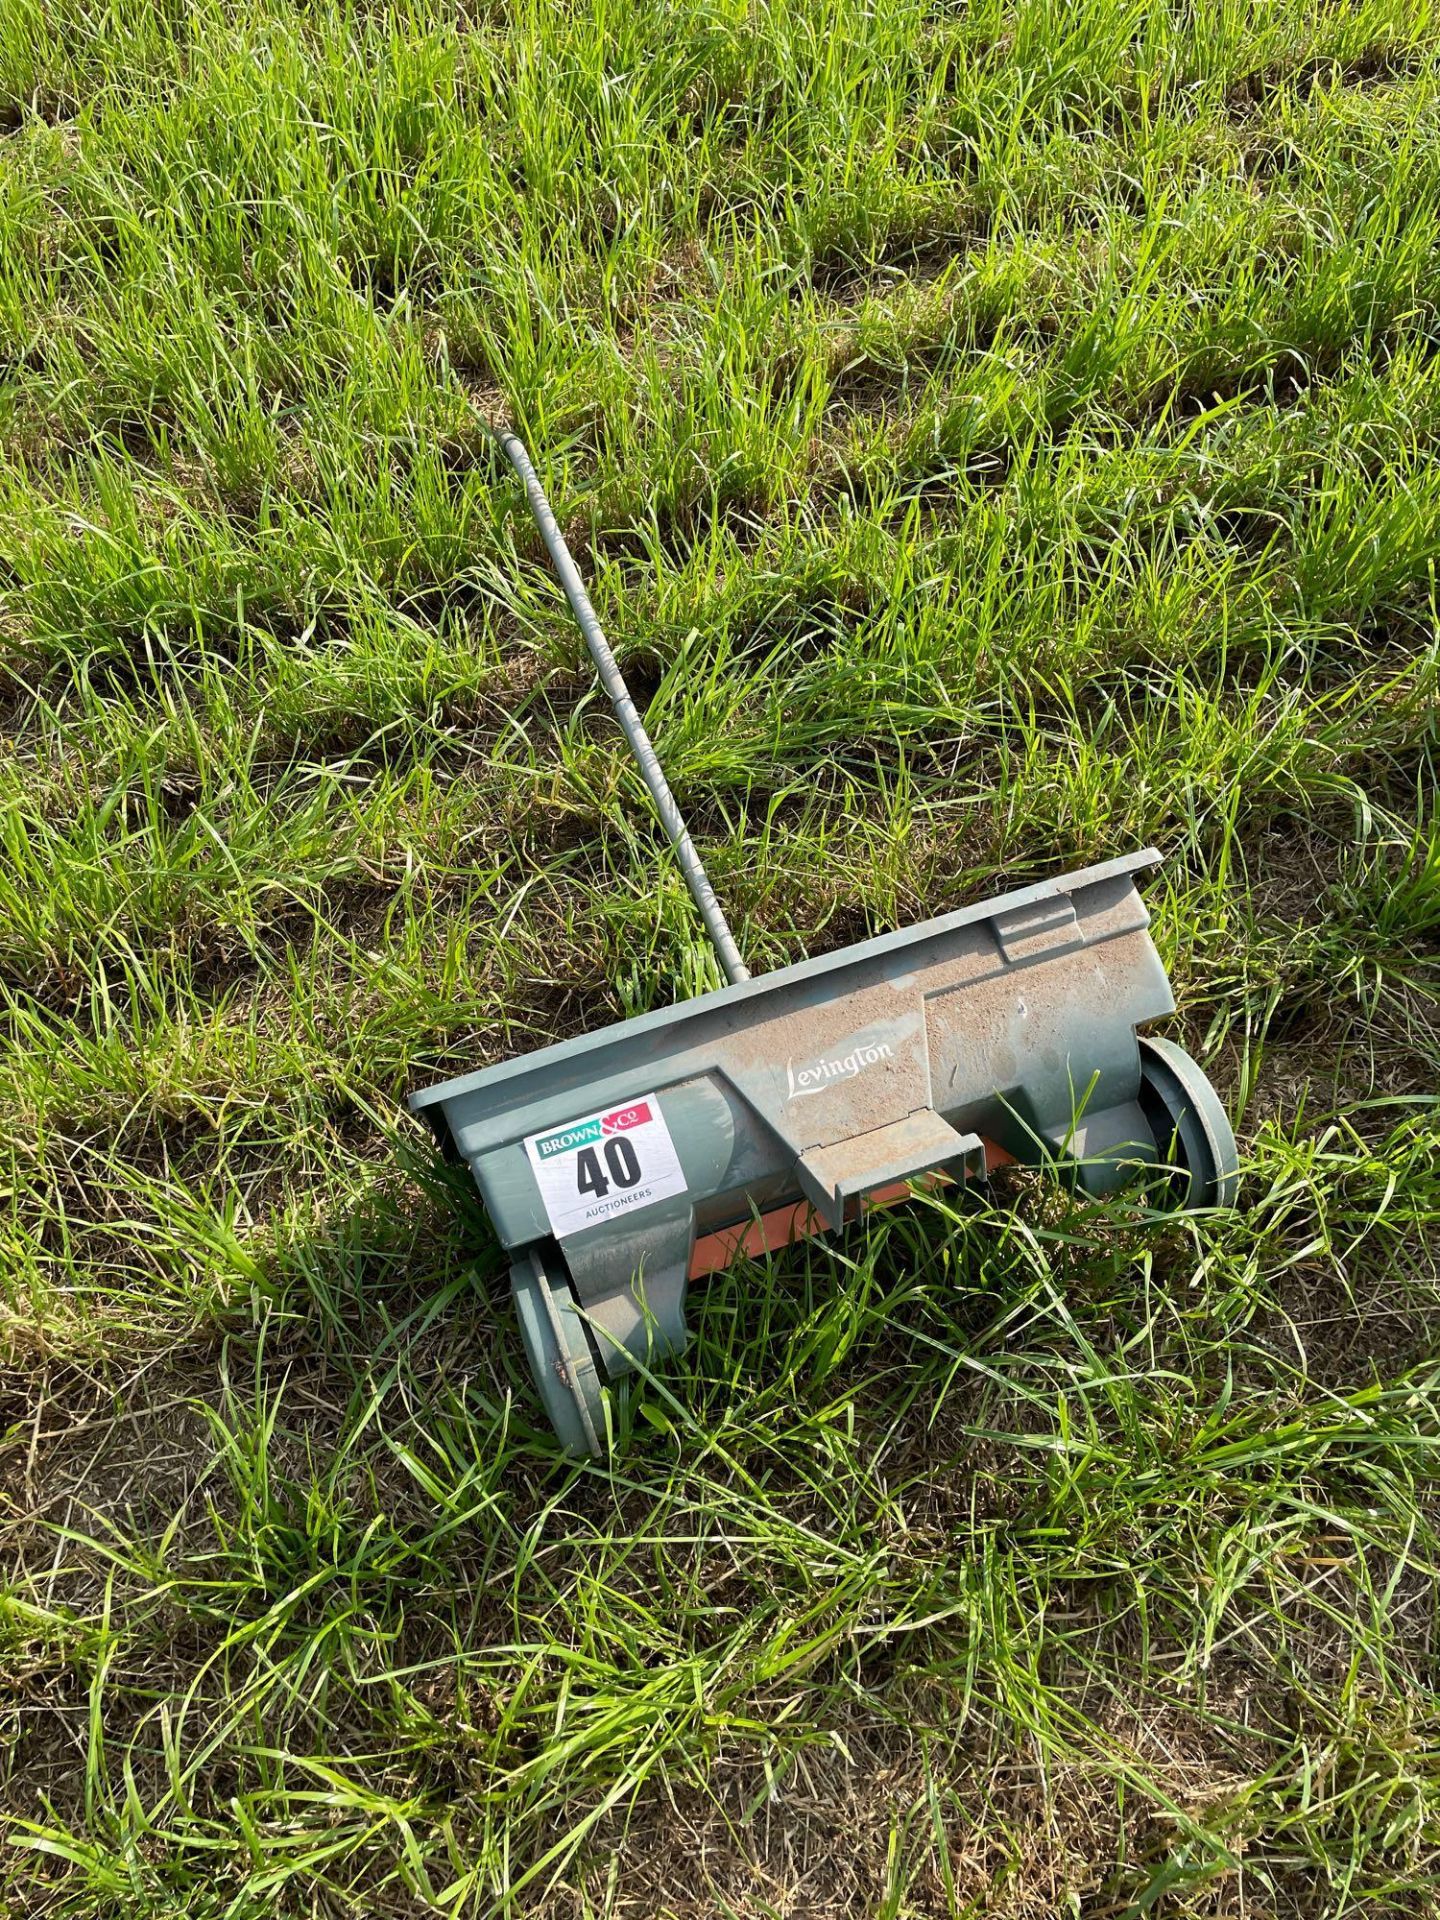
633	727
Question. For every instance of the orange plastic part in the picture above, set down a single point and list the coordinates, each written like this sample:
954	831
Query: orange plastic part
783	1226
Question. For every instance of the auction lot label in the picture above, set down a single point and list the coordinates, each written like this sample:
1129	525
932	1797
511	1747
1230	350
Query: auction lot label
605	1165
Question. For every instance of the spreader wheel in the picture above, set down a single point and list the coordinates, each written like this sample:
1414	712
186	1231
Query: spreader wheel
562	1355
1191	1127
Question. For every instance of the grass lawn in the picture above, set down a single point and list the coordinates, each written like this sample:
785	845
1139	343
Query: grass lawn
999	436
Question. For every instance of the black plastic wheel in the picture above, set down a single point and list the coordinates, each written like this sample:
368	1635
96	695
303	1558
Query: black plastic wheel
1192	1129
562	1355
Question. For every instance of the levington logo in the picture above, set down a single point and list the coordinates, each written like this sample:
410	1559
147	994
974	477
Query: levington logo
820	1074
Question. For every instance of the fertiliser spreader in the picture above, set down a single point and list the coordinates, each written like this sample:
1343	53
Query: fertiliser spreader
619	1167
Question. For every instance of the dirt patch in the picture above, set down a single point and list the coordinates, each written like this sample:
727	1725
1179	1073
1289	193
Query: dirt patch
1384	62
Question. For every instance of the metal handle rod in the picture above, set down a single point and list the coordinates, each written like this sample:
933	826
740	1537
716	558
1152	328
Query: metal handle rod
613	681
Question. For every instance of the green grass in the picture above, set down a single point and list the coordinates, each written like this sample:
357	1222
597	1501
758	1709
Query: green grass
999	436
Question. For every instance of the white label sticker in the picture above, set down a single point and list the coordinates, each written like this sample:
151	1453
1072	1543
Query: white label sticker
605	1165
